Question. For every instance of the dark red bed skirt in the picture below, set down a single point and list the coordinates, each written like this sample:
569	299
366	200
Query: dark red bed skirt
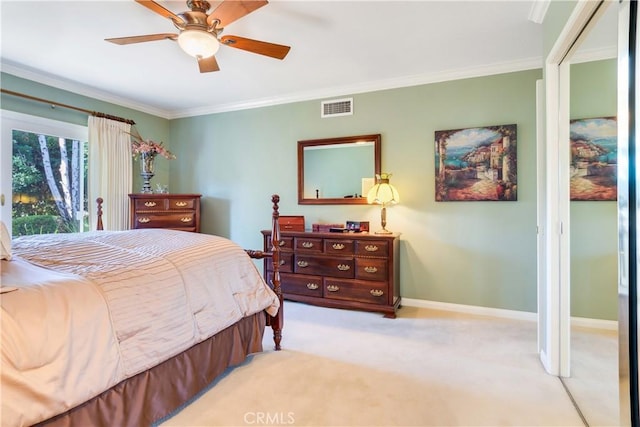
151	395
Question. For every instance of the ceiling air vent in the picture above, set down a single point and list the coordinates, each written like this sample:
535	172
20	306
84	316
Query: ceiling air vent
337	107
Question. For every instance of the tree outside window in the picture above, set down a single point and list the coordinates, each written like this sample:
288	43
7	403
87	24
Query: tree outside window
49	184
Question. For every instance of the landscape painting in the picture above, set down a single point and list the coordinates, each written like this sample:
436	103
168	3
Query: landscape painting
594	151
476	164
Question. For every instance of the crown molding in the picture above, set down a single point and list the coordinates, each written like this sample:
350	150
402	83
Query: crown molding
78	88
538	11
405	81
373	86
599	54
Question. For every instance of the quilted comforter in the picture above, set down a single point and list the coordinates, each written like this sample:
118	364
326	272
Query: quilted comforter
82	312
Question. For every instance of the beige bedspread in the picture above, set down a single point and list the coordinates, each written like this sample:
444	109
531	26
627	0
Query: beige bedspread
95	308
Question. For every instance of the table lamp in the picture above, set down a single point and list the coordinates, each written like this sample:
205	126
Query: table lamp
383	194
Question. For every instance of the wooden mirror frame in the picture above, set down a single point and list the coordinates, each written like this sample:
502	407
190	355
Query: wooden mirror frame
376	138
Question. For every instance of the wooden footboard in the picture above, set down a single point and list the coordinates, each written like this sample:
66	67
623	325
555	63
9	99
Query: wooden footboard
276	322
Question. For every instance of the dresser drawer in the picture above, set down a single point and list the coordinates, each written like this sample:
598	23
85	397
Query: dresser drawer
174	211
285	243
150	204
160	220
354	290
341	270
181	204
324	266
372	268
301	284
286	263
307	244
338	246
378	248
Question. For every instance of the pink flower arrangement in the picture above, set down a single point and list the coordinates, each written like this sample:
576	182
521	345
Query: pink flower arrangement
140	145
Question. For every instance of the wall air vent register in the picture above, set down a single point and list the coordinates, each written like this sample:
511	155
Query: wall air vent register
337	107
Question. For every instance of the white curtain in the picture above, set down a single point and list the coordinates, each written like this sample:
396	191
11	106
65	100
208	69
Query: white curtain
110	171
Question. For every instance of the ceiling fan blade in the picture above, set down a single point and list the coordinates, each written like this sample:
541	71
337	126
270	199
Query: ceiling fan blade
160	10
231	10
208	64
273	50
140	39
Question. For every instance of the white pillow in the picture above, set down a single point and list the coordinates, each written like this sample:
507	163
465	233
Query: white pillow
5	242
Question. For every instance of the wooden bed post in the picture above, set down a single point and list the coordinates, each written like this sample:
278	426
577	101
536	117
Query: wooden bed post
99	202
277	321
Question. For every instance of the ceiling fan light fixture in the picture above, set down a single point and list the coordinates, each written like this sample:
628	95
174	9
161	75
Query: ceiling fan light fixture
198	43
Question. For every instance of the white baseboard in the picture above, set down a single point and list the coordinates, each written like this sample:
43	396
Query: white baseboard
506	314
609	325
470	309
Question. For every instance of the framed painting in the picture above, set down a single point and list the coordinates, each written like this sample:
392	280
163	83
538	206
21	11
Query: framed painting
594	152
476	164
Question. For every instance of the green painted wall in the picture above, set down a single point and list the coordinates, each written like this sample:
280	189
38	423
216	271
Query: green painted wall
149	126
476	253
594	226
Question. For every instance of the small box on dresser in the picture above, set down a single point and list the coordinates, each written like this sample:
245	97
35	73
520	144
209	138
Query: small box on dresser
346	270
173	211
291	223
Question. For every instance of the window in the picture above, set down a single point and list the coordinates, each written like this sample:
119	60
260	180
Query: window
47	182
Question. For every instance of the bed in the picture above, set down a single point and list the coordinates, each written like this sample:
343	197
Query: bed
122	328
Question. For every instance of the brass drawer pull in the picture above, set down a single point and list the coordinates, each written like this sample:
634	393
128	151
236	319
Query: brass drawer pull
369	269
333	288
282	262
303	264
144	220
371	248
185	219
376	292
181	204
338	246
312	286
307	245
344	267
149	204
281	243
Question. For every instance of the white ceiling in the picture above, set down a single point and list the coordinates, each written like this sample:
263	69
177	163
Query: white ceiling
337	48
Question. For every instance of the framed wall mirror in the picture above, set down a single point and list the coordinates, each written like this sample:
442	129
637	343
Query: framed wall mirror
337	171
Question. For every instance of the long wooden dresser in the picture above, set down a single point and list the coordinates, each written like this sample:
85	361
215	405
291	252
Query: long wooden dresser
174	211
340	270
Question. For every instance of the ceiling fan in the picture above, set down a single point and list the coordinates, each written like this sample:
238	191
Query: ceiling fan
199	32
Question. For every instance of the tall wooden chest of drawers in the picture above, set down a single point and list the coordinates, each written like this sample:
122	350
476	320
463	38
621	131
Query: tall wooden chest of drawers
174	211
341	270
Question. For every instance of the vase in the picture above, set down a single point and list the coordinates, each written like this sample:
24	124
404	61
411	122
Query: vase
146	170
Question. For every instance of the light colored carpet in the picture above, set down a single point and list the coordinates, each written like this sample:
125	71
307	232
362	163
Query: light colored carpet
425	368
594	375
